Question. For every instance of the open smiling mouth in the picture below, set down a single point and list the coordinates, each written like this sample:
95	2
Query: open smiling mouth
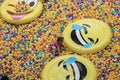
18	16
77	37
79	70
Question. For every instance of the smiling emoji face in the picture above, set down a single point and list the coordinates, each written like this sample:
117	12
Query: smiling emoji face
69	68
21	11
87	36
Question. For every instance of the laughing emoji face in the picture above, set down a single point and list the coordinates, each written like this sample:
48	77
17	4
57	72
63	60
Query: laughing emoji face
87	36
69	68
20	11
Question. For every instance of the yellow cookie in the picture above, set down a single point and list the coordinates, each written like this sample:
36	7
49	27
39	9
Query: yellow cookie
69	67
21	11
87	36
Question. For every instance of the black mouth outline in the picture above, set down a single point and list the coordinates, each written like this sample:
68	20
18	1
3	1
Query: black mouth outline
76	40
81	67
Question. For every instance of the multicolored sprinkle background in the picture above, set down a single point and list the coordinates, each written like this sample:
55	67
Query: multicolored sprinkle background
23	52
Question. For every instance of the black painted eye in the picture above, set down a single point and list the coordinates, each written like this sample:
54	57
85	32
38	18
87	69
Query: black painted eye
32	3
68	77
65	67
60	63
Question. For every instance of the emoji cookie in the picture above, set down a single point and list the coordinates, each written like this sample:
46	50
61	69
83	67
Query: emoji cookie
87	36
21	11
69	67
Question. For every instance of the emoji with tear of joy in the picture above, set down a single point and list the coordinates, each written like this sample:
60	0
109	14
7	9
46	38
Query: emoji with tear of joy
69	67
87	36
21	11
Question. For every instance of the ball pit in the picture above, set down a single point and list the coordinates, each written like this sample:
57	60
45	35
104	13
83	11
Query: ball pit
23	52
